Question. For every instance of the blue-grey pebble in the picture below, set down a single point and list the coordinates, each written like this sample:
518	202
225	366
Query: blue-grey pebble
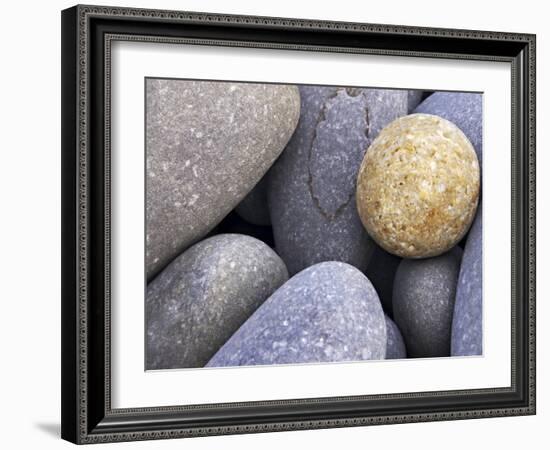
467	336
395	348
312	185
381	273
464	109
202	297
423	302
253	208
327	313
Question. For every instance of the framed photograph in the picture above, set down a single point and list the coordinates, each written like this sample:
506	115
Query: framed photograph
266	222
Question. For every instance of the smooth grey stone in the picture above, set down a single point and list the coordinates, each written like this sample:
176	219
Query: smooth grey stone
327	313
253	208
423	302
467	336
200	299
208	144
312	185
464	109
381	273
414	97
395	347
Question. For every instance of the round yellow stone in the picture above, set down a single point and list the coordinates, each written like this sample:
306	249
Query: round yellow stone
418	186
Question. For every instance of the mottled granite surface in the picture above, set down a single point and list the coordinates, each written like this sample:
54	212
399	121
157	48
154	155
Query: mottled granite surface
418	186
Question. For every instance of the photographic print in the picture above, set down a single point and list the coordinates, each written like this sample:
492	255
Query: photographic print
295	224
311	201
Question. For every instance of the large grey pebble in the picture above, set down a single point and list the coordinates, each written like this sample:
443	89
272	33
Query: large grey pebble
464	109
253	208
312	185
395	347
327	313
196	303
467	337
423	302
381	272
208	144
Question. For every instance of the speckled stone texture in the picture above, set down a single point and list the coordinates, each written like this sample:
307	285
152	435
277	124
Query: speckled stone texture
395	346
464	109
208	144
423	303
312	185
327	313
198	301
467	337
253	208
418	186
381	272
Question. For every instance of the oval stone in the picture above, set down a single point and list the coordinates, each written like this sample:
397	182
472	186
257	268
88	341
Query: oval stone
395	347
200	299
312	185
464	109
327	313
418	187
467	337
423	302
208	144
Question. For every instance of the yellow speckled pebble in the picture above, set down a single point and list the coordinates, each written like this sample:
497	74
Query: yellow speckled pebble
418	186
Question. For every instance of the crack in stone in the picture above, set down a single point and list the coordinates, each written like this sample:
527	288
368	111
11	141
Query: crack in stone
367	127
352	92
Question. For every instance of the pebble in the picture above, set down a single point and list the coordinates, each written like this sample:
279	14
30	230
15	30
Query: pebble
418	186
467	336
329	312
202	297
423	302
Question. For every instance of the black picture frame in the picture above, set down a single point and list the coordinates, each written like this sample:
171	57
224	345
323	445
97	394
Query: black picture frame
87	415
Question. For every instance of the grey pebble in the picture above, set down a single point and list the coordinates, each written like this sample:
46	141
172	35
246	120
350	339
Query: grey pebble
464	109
395	348
423	302
200	299
253	208
327	313
467	336
312	185
208	144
